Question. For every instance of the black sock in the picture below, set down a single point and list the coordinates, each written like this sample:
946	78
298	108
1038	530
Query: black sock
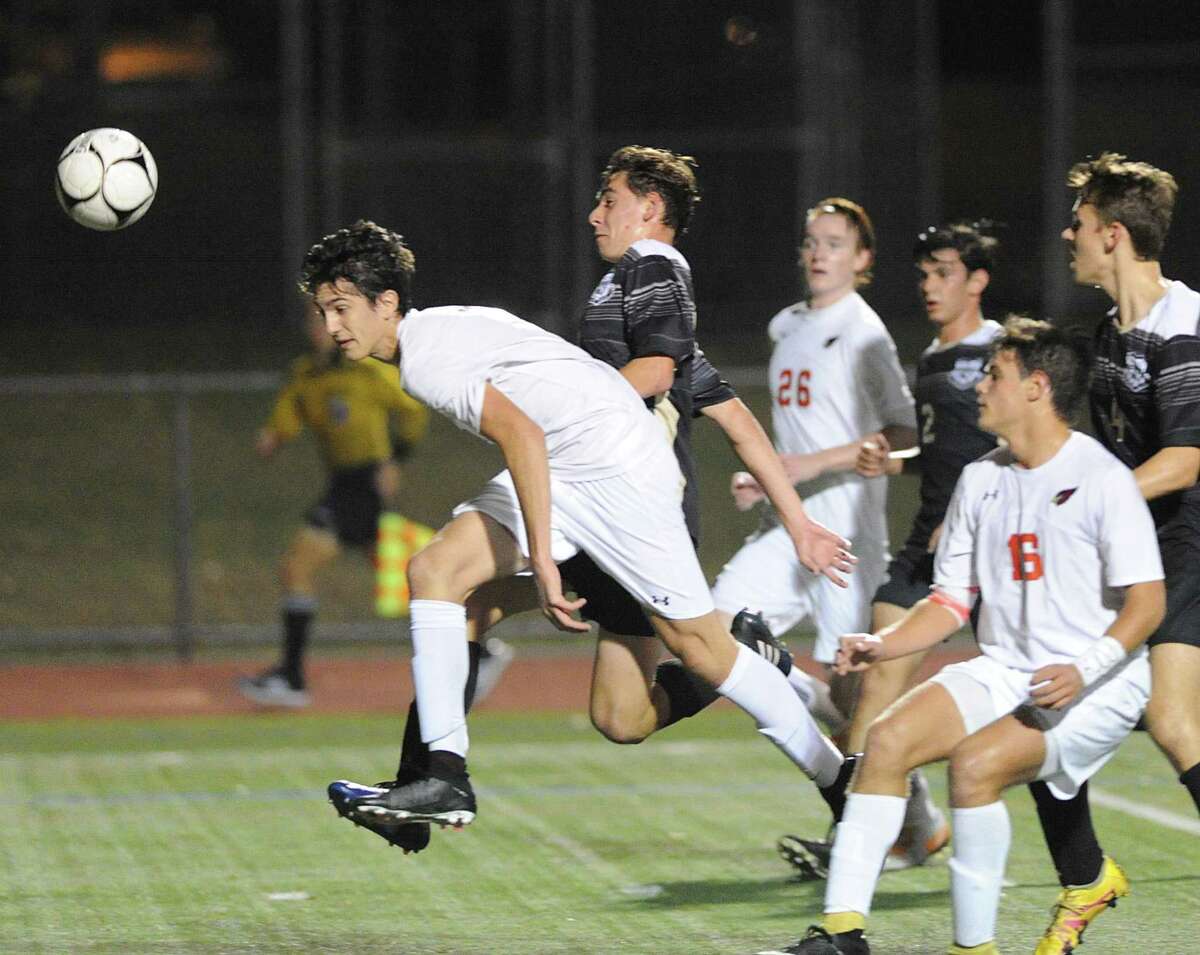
1067	827
446	765
295	642
686	693
835	793
1191	780
414	755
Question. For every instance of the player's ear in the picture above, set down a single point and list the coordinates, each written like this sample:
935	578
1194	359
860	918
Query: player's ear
655	209
978	280
388	301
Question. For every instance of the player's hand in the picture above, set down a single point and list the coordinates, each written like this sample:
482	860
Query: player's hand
266	442
856	652
934	537
387	481
872	460
746	490
556	607
1055	686
824	552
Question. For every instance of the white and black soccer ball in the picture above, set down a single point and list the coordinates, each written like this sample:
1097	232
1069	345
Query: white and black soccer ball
106	179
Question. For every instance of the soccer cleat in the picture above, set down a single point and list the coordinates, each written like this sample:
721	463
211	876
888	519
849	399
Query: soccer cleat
984	948
925	831
751	630
493	661
273	689
409	836
1077	907
809	857
447	802
817	941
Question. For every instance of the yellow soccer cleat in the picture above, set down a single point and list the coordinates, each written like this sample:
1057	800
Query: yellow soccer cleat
985	948
1077	907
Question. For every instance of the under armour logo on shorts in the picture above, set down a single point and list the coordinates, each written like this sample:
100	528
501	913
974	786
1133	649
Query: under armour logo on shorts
664	601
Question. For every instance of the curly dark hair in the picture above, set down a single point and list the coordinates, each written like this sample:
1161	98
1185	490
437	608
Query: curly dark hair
976	249
372	258
649	169
1061	355
1135	194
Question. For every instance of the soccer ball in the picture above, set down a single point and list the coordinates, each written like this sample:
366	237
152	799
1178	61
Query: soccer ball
106	179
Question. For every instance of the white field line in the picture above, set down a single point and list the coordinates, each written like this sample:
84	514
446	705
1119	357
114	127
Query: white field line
1163	817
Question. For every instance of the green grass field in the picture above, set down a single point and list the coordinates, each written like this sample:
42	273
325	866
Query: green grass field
191	836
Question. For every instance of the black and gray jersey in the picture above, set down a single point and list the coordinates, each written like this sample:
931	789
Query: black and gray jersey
1145	393
645	305
948	429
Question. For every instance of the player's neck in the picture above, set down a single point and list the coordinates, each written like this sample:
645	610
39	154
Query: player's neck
968	323
1136	286
1037	440
829	299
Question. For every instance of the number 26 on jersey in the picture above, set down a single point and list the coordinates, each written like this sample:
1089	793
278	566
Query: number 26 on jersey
794	388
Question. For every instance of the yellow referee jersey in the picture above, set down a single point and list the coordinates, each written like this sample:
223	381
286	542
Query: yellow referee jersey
348	406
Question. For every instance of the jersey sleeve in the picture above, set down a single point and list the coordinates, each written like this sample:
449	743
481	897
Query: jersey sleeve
285	419
1177	390
708	387
886	383
1127	539
658	314
954	564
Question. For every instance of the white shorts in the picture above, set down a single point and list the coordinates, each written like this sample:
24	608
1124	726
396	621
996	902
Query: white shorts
767	576
1079	739
631	525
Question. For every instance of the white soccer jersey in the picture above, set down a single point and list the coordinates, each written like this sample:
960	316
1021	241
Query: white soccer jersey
1046	548
835	377
596	425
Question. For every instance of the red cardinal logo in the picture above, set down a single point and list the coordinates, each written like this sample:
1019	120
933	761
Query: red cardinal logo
1063	496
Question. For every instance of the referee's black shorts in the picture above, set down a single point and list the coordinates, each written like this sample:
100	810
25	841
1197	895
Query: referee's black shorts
349	508
909	577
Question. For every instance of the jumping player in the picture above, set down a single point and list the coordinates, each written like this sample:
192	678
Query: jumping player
588	470
1051	534
1144	409
365	426
836	384
954	265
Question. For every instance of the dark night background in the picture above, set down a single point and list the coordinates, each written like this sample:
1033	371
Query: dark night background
476	128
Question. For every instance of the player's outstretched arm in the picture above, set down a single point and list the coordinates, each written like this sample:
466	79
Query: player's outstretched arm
1060	684
926	624
820	550
523	445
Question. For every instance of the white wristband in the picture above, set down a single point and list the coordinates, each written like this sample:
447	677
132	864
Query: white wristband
1099	659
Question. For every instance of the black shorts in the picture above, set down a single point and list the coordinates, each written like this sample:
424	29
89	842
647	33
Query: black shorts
909	577
1181	564
349	508
608	603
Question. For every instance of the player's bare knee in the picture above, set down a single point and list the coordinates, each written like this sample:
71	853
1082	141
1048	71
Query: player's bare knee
434	574
975	774
616	726
888	746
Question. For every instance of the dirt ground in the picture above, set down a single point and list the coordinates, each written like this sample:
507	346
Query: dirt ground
90	691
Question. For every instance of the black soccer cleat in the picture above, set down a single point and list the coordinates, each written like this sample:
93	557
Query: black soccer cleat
751	630
447	802
809	857
817	941
408	836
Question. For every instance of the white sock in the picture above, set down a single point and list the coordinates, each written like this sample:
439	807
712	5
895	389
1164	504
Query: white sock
439	665
804	684
981	839
762	691
868	828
